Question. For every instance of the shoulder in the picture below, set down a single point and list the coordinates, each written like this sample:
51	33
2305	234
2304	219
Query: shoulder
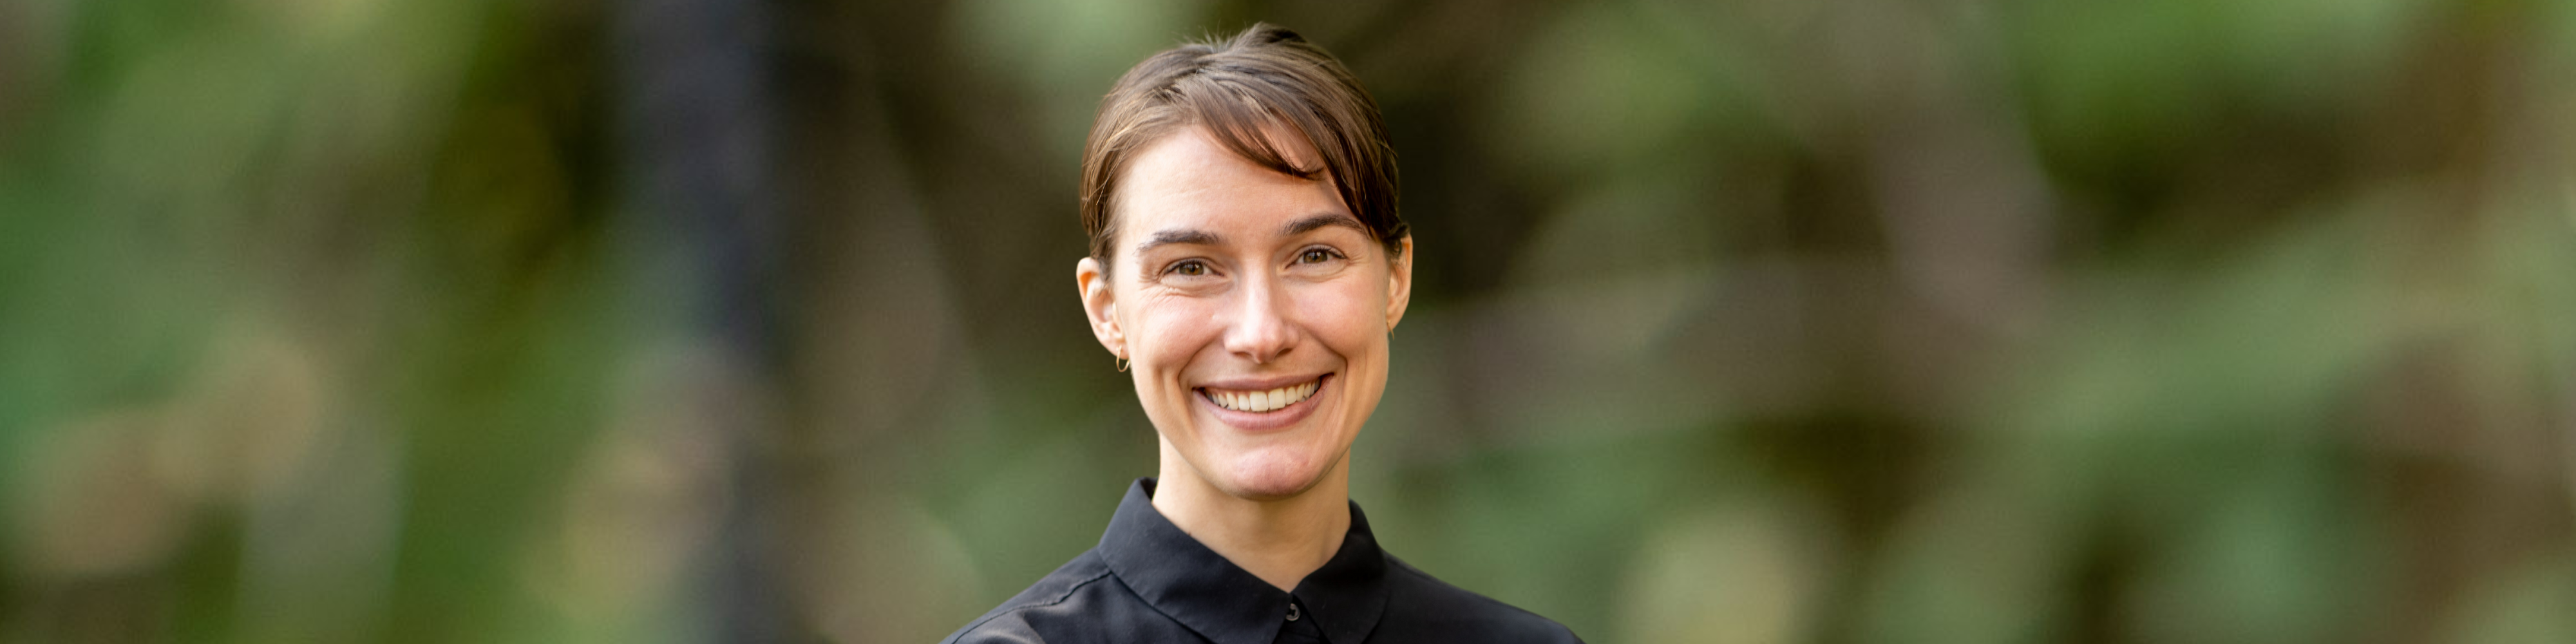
1419	605
1020	621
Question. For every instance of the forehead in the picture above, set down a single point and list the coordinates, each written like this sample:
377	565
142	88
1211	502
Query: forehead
1187	179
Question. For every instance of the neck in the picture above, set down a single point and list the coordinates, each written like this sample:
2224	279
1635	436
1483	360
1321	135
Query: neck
1278	540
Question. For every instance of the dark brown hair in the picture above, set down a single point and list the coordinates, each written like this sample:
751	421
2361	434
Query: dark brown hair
1264	77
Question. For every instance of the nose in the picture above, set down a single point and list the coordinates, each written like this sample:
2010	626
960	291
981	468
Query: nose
1260	330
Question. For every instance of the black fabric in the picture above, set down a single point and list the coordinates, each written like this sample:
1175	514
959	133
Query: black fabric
1148	582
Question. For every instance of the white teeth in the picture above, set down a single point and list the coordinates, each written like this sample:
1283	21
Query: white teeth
1263	401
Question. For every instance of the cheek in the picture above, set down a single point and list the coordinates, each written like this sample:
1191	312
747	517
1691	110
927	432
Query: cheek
1348	316
1169	331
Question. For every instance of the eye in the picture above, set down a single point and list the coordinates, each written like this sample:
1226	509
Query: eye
1317	256
1190	268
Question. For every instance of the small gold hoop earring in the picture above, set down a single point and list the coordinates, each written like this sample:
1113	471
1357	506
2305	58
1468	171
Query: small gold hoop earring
1122	365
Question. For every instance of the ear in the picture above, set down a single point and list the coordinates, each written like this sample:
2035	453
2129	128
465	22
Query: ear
1099	305
1399	284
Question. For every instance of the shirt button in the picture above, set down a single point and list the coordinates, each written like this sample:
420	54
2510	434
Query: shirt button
1292	611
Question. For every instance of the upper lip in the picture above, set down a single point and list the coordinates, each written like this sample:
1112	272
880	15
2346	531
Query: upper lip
1261	384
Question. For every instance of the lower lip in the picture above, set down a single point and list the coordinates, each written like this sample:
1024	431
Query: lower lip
1269	420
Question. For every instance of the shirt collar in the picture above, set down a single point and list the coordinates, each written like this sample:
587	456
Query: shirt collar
1227	604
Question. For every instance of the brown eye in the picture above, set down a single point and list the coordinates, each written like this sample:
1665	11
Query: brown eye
1315	256
1190	268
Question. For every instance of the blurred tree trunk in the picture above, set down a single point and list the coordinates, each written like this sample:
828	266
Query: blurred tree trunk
695	145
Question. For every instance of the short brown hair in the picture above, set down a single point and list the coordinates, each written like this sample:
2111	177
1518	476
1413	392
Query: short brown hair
1266	76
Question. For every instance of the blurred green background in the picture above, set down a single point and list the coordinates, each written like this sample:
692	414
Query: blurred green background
1853	321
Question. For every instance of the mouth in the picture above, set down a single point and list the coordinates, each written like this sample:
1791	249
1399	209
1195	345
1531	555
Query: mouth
1276	407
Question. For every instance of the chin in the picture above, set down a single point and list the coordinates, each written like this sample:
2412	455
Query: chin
1271	476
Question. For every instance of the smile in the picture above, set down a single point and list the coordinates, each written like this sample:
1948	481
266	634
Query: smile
1264	401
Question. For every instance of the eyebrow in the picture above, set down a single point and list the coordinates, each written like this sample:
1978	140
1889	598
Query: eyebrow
1312	222
1180	236
1301	226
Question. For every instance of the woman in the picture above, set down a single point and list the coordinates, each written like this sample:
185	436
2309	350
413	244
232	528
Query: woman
1247	265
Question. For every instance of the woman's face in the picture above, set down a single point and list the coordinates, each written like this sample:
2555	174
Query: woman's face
1255	308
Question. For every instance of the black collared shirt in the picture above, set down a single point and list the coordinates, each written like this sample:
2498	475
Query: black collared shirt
1150	582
